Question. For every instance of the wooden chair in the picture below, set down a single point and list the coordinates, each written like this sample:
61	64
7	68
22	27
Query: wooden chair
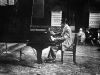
72	48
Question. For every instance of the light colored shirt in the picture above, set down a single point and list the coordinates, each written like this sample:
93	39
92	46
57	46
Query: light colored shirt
81	34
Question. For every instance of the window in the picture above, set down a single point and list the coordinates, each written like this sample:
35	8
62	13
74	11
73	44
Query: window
56	17
7	2
94	19
11	2
3	2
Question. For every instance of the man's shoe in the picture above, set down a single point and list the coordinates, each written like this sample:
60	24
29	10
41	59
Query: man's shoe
53	60
49	60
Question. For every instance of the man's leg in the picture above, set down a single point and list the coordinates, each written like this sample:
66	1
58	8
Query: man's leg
52	53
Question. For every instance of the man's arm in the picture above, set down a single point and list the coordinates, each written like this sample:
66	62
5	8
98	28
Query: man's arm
55	34
58	34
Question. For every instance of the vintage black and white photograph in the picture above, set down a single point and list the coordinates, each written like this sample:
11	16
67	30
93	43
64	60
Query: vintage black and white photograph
49	37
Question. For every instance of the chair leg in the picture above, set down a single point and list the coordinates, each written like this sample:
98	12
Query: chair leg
62	56
74	57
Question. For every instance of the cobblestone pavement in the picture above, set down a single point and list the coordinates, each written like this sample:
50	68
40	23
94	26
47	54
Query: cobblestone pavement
87	62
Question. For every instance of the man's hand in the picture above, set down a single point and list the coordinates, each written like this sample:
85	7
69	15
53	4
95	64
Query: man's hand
52	38
52	33
55	39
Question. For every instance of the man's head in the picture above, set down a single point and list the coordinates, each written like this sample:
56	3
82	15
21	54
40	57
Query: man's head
80	29
66	21
62	24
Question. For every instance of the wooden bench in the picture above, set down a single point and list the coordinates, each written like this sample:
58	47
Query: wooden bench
72	49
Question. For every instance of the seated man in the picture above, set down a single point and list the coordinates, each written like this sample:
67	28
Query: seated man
64	40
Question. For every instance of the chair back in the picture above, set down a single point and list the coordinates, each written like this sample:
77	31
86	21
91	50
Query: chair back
74	38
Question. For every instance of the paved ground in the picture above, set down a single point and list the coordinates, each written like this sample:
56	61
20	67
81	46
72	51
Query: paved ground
88	62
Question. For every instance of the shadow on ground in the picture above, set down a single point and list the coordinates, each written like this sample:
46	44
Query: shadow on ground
90	66
98	49
87	64
10	59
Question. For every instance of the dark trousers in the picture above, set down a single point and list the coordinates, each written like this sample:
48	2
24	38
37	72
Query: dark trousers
52	52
